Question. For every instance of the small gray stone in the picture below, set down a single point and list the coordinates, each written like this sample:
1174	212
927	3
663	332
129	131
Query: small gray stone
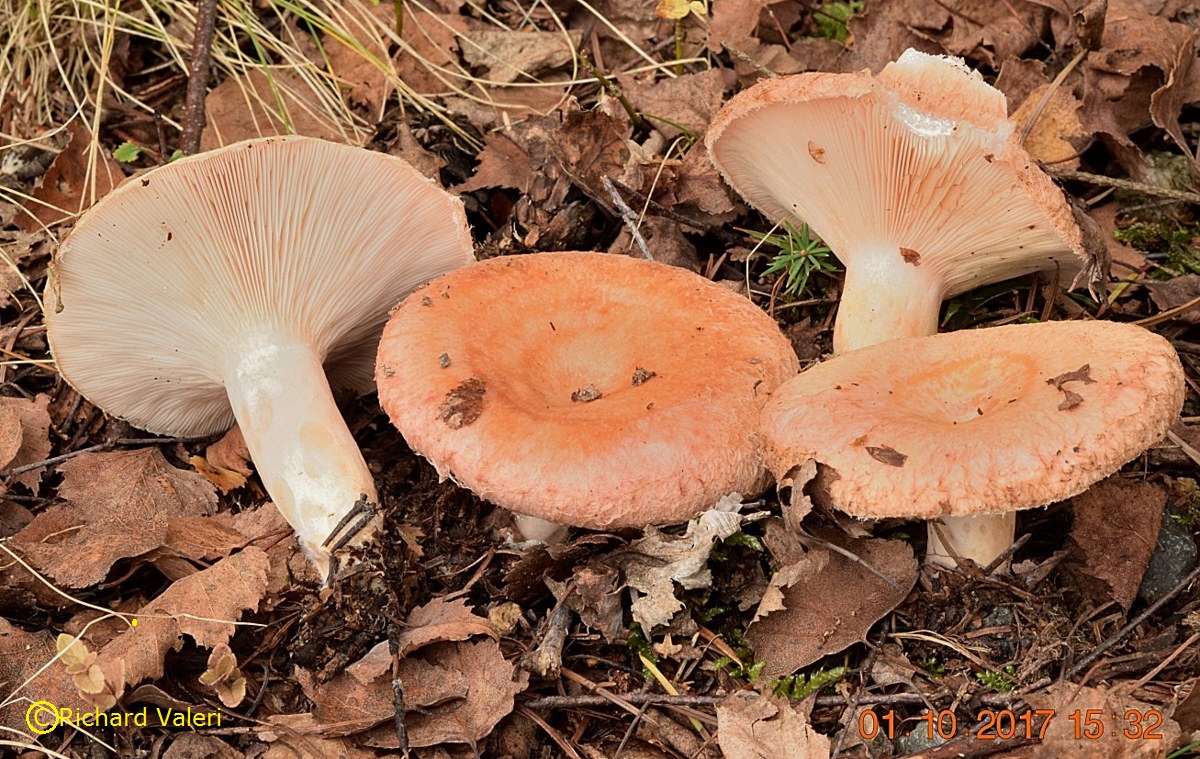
1173	558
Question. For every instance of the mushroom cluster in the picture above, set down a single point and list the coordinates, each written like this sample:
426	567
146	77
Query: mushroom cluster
239	284
917	181
588	389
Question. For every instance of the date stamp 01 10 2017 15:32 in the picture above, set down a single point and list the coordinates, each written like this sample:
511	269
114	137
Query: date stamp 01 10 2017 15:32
1003	724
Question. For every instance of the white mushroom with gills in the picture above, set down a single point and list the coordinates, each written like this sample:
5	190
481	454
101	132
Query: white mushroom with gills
586	389
970	427
240	284
915	178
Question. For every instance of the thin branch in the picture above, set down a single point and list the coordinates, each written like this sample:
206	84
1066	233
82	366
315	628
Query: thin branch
197	86
628	216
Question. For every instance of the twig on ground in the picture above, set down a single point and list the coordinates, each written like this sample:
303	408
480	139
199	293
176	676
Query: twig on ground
95	449
1170	313
1121	634
628	216
1123	184
197	87
635	118
806	537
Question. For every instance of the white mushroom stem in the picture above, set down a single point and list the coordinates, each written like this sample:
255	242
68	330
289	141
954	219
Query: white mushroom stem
885	297
308	461
980	539
528	529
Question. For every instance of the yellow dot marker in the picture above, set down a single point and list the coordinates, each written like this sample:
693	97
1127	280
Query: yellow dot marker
134	623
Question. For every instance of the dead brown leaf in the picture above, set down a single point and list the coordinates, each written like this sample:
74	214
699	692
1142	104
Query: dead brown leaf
1130	259
597	601
1138	77
502	163
119	504
196	746
10	431
362	69
1057	137
257	105
457	693
1176	292
819	617
887	28
22	654
493	684
665	240
591	145
205	606
1105	715
439	621
758	726
226	463
690	100
505	57
733	22
79	177
35	437
361	697
699	186
431	40
993	32
1116	526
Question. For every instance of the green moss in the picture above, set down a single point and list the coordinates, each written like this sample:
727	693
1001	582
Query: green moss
830	19
1162	234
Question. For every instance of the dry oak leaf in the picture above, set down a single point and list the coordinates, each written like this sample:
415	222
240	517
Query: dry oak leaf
362	70
205	606
819	617
1116	525
32	436
1107	738
1056	137
439	621
119	504
458	692
78	178
757	726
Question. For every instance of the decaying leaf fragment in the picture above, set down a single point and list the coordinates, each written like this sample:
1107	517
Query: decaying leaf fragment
653	564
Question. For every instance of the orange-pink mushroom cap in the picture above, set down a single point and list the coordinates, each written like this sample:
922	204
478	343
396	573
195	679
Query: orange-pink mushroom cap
916	179
589	389
976	422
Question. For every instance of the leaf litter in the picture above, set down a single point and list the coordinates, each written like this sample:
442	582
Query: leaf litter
723	614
